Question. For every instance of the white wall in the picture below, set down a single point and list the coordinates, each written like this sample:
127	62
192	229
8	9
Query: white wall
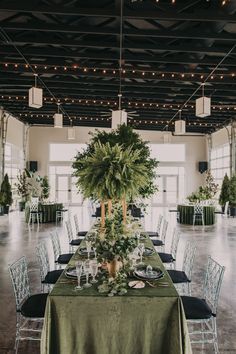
220	137
41	137
15	132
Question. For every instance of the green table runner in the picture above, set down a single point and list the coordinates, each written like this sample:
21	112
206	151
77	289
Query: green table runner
48	211
186	215
144	321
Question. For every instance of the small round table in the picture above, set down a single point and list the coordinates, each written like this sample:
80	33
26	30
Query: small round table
186	214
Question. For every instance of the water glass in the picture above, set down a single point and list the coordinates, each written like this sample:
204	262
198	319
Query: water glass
79	271
88	247
94	270
141	248
87	271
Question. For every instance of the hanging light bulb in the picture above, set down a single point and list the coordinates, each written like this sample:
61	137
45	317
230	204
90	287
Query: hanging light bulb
35	95
71	132
180	125
203	105
58	118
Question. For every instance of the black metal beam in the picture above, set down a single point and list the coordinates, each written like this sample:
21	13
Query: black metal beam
104	56
42	26
52	41
29	7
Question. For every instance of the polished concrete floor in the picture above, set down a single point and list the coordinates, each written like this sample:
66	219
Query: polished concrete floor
219	241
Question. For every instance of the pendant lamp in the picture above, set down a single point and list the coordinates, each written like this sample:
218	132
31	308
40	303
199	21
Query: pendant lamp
180	125
203	105
35	95
58	118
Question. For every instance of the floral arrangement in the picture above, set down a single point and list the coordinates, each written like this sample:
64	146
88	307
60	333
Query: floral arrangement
205	192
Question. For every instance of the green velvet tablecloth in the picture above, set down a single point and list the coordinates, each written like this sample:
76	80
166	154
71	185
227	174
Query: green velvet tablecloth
48	211
186	215
144	321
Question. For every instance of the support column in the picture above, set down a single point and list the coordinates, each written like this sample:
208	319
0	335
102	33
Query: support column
233	148
3	135
25	143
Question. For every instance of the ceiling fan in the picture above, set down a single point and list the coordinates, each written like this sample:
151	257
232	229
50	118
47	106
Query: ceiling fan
120	115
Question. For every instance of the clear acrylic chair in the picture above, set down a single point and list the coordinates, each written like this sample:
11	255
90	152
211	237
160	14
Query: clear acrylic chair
35	214
198	213
48	277
60	213
170	258
158	230
69	231
161	242
29	308
201	312
78	232
182	278
59	258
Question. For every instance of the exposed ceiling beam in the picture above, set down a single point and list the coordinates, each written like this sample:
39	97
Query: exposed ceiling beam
98	30
52	41
29	7
110	56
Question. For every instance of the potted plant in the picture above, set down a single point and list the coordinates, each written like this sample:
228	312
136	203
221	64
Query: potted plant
45	188
225	192
22	189
6	194
232	196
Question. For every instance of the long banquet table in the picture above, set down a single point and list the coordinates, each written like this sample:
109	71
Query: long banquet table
144	321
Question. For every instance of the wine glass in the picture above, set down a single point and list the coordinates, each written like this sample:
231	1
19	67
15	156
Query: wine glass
94	270
88	247
79	270
138	236
141	248
87	270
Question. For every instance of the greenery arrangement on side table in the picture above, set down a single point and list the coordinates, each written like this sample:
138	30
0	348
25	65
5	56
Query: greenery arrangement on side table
6	194
206	192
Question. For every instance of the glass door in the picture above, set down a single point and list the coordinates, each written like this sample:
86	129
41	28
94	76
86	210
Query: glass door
168	192
66	190
63	189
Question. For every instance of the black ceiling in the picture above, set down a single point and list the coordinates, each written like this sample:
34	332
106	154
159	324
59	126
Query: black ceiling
168	50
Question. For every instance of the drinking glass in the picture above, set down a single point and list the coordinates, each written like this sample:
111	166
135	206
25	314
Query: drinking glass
79	270
94	270
88	247
138	236
141	248
87	271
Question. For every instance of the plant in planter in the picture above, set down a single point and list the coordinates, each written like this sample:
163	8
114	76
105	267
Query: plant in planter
6	194
225	191
22	189
45	188
232	196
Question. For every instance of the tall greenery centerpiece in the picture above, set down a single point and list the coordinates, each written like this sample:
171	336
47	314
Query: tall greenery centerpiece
45	188
110	173
232	195
125	137
225	191
6	194
22	189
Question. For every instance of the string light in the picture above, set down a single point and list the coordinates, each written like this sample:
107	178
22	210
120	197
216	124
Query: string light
109	71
